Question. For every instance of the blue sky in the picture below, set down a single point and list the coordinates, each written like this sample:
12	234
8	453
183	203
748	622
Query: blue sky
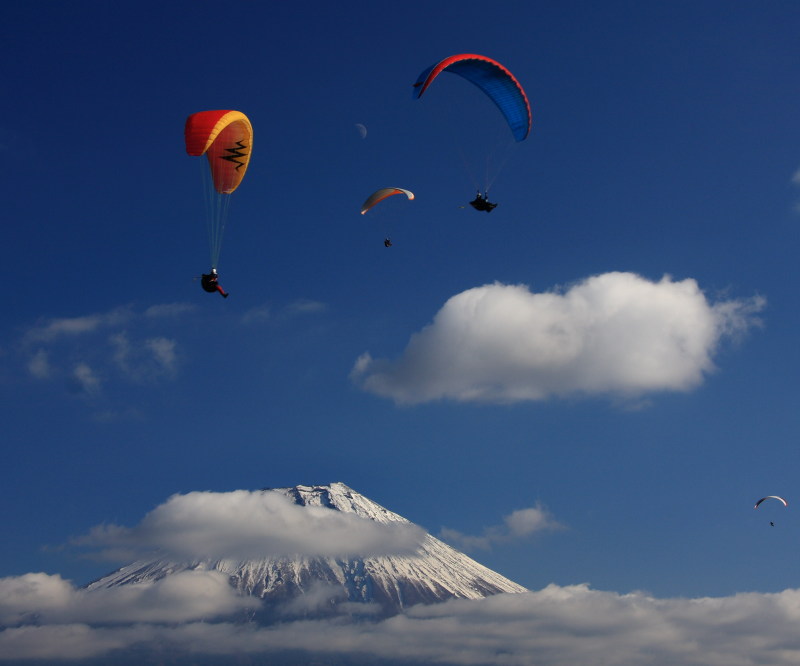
664	143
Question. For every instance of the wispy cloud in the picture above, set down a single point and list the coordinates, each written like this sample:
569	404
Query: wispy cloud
163	350
256	315
39	364
306	306
169	310
518	524
144	360
615	333
243	524
264	313
88	352
76	326
85	379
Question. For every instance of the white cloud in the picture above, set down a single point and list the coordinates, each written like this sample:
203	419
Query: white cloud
242	524
556	626
615	333
518	524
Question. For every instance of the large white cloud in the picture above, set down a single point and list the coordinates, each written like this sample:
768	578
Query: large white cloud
556	626
242	525
615	333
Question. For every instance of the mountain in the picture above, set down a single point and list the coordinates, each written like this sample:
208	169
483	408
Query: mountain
319	586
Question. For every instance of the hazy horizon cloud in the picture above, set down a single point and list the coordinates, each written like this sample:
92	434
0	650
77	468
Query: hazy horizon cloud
46	617
617	333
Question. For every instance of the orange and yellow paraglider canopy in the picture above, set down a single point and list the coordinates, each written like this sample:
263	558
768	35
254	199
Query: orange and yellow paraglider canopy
226	138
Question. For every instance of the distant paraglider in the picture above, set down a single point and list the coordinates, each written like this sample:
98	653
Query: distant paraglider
378	196
381	194
780	499
225	137
776	497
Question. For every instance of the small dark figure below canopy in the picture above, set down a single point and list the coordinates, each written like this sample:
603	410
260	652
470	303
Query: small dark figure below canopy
209	283
387	242
481	202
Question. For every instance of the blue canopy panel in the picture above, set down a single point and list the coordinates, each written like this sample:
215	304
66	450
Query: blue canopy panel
493	79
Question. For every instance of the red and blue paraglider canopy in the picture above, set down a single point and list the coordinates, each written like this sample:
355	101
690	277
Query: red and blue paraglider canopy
497	82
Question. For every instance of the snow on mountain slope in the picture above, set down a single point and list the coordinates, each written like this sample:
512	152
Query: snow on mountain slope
307	586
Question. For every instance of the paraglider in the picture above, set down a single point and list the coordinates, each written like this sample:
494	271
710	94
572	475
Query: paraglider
780	499
210	283
499	85
225	137
493	79
378	196
381	194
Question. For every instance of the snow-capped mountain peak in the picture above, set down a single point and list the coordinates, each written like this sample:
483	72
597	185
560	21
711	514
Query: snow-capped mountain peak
384	584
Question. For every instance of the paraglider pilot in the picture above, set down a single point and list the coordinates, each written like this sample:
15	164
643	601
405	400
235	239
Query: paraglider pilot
482	203
387	242
209	283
